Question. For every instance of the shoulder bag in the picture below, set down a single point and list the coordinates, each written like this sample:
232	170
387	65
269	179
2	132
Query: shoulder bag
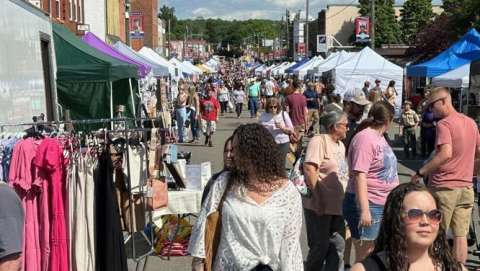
213	229
294	138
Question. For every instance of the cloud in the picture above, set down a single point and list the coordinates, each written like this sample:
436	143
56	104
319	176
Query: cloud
246	15
202	12
287	3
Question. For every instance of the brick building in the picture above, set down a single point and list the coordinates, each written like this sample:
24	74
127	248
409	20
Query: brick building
144	24
67	12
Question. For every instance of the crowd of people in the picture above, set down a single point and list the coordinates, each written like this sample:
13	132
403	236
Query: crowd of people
351	170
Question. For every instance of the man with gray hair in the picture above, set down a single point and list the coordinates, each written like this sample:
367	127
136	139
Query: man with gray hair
451	169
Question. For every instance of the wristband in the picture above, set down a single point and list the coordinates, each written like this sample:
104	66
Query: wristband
418	173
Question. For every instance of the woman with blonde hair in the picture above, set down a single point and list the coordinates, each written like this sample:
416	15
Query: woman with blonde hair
278	123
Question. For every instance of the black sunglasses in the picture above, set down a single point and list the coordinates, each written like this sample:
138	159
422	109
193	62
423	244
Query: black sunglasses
430	106
415	215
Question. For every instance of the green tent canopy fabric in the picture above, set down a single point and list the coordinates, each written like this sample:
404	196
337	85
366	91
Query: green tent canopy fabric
84	77
78	61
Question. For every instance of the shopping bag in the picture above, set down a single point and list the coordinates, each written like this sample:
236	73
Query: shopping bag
298	179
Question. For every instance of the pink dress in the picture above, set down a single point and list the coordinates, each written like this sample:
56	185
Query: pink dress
50	163
23	178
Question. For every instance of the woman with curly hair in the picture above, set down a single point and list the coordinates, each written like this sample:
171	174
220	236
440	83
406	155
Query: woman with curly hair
411	235
261	213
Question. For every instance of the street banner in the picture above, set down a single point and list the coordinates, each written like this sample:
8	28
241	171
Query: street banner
136	25
362	29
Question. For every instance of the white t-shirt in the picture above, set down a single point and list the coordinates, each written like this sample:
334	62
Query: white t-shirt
269	86
268	121
239	96
223	95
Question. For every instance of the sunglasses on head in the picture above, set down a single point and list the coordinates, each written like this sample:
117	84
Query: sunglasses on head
415	215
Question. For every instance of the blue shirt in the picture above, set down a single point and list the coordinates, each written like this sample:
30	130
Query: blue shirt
312	99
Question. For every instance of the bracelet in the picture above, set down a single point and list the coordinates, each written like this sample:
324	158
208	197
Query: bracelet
418	173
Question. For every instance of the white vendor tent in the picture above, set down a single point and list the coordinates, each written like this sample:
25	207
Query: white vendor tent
301	71
192	67
278	66
153	56
332	62
457	78
281	70
182	67
368	65
158	70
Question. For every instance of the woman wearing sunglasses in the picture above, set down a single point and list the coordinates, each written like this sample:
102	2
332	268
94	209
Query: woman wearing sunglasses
411	236
278	123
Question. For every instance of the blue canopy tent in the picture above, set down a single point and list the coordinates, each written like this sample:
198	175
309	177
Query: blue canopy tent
300	63
460	53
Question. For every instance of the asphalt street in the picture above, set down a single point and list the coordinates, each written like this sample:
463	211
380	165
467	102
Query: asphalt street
202	153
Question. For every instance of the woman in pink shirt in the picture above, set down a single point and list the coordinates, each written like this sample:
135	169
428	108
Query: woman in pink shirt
373	174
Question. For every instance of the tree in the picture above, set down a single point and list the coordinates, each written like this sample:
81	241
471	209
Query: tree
433	38
415	14
168	14
464	14
387	29
458	17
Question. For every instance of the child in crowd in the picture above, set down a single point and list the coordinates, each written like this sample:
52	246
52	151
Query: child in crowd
410	121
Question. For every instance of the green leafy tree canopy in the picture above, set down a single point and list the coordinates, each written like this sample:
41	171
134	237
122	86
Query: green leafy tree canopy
415	14
387	29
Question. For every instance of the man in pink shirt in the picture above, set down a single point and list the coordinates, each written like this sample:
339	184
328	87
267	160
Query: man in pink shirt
451	169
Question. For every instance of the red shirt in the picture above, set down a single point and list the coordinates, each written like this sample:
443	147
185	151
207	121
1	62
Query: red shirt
297	103
209	108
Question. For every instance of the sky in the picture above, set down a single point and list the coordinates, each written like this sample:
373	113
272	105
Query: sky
248	9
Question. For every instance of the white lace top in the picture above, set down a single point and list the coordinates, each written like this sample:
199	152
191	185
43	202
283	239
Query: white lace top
252	234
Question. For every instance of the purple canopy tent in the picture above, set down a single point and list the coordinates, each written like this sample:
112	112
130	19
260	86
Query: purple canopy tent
98	44
95	42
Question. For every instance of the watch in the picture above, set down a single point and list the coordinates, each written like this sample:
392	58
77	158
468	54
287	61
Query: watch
418	173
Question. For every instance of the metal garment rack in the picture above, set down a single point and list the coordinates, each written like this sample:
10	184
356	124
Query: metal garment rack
125	131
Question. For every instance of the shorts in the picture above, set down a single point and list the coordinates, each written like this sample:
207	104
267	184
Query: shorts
351	213
456	206
209	126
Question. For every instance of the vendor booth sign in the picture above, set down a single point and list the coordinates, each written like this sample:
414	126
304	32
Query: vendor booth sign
362	29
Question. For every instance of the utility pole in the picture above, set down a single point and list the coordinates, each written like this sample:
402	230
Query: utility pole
373	24
127	22
185	41
169	53
306	29
287	38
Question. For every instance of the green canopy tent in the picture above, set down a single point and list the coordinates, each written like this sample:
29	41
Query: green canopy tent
90	83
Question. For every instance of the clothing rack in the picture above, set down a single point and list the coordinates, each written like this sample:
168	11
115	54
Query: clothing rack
126	131
86	121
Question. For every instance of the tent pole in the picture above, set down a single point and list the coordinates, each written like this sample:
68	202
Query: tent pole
111	103
131	96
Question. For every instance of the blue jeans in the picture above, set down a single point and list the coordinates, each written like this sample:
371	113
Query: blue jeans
253	106
194	123
180	117
351	214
